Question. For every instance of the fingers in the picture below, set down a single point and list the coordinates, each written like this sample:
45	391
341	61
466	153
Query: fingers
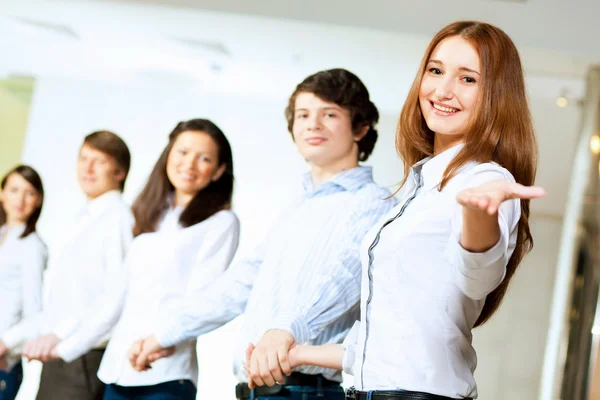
157	355
33	350
134	352
255	374
274	369
249	351
284	362
527	192
479	201
141	362
251	384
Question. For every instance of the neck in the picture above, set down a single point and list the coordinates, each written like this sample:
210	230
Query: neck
91	197
182	199
442	143
323	173
13	222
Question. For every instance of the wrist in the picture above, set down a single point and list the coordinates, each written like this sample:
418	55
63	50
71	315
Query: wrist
296	354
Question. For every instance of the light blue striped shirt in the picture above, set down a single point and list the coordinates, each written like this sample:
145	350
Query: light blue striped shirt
304	278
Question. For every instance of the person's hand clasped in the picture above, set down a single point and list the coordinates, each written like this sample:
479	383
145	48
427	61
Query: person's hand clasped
292	356
42	348
488	196
269	361
144	352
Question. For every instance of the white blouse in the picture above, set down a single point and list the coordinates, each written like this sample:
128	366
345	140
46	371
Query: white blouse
22	264
421	291
166	269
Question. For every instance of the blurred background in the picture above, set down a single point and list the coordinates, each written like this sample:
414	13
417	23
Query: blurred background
138	67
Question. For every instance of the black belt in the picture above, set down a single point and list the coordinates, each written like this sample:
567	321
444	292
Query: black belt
352	394
295	379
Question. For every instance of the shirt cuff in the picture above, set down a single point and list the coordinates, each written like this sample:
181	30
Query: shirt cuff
67	352
478	273
169	335
65	328
13	340
295	325
349	345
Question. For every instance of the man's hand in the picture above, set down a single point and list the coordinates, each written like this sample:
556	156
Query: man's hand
269	361
42	348
145	351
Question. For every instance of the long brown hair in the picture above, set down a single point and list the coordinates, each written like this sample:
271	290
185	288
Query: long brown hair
31	176
501	131
153	200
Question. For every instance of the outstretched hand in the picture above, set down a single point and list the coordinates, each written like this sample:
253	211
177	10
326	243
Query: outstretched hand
488	196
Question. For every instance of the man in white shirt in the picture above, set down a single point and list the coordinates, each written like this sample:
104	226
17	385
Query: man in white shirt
81	271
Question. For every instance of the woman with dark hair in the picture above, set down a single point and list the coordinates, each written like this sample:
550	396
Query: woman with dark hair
440	263
22	262
185	237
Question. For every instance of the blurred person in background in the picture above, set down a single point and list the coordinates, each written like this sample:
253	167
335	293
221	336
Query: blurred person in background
81	270
185	237
23	259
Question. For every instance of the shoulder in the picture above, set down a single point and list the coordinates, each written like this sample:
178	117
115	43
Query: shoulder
490	169
224	220
373	196
225	217
121	211
32	243
474	174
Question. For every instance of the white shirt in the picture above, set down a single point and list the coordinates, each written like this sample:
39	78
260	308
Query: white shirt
166	270
421	291
80	273
22	264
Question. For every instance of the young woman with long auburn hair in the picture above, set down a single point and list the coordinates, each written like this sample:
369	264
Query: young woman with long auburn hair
441	262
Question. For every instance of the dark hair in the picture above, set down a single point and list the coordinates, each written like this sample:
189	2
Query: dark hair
31	176
112	145
345	89
153	200
501	132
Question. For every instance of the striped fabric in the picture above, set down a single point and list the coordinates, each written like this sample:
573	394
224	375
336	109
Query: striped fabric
304	278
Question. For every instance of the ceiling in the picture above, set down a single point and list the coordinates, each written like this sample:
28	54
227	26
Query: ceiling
233	46
558	25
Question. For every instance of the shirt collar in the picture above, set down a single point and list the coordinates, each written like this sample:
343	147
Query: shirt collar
431	169
351	179
101	203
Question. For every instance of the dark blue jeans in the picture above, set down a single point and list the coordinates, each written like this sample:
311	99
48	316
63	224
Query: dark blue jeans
334	392
173	390
10	381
